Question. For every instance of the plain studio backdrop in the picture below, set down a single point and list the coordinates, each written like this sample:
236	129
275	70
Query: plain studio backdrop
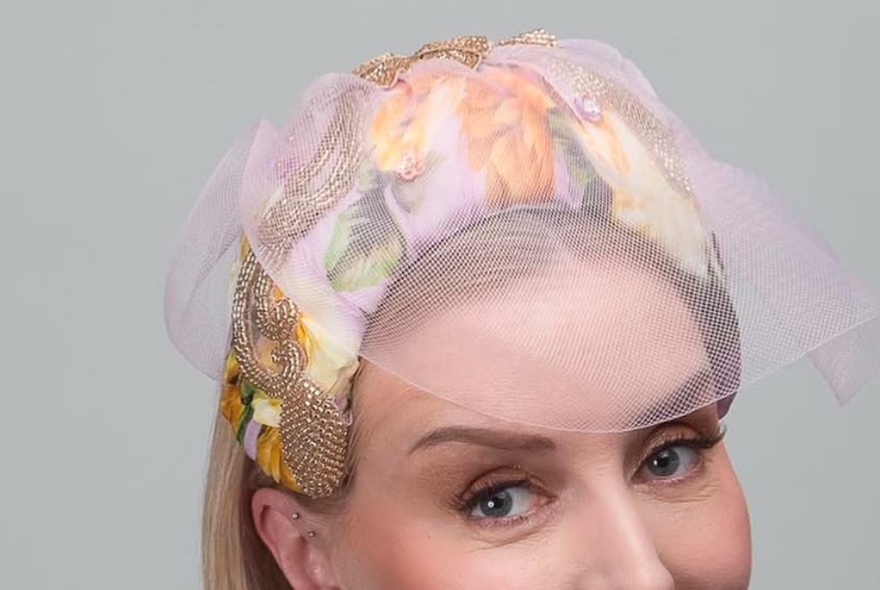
112	116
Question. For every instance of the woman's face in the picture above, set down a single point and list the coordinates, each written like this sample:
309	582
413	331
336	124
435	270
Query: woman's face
446	497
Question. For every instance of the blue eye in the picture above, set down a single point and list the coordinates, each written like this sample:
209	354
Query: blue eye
503	502
672	462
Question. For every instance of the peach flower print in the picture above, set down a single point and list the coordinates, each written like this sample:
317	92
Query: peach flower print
504	117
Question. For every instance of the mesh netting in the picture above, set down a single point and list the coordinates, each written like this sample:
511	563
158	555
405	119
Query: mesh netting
530	239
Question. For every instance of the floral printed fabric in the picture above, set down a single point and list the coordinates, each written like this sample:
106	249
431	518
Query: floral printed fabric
255	420
447	147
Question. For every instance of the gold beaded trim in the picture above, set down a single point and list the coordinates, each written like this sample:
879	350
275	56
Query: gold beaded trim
314	430
312	188
469	51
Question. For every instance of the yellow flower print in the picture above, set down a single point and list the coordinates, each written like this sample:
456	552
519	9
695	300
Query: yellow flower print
267	410
331	363
329	336
504	118
604	144
230	399
270	459
331	345
643	197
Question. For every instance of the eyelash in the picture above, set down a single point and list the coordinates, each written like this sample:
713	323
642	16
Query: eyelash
697	442
465	503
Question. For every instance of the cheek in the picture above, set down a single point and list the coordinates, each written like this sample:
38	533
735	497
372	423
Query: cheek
389	549
705	542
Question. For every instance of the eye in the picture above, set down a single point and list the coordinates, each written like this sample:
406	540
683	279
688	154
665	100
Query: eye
671	462
502	502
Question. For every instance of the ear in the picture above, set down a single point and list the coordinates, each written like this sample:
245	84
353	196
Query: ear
289	532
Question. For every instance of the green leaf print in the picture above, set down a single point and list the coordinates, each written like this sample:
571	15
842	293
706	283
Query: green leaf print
241	427
569	149
593	192
366	245
247	392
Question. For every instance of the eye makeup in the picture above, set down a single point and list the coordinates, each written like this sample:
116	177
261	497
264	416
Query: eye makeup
491	494
664	450
491	501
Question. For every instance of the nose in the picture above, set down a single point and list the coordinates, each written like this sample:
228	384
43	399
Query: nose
615	549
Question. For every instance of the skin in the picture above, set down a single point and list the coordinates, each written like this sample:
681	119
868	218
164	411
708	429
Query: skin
650	508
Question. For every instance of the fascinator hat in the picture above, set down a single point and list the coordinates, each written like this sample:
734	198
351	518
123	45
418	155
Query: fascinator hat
390	196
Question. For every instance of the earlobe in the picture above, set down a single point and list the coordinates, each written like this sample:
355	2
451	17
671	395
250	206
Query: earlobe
287	530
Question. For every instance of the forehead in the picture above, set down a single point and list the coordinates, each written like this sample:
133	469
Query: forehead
595	350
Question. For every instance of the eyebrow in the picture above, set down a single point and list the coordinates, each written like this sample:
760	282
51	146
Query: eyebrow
679	399
485	437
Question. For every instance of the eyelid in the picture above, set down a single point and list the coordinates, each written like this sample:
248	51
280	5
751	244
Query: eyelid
473	496
486	481
699	440
514	526
497	480
678	433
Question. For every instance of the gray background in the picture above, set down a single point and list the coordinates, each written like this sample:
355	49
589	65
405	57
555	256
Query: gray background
112	115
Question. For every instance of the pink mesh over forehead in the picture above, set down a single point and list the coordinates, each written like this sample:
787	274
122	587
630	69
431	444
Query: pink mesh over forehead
363	182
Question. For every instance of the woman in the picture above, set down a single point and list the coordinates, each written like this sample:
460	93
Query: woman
490	304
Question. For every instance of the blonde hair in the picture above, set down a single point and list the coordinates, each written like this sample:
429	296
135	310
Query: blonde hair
233	555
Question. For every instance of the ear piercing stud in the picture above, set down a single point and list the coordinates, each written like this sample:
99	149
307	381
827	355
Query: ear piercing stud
296	516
